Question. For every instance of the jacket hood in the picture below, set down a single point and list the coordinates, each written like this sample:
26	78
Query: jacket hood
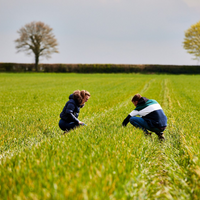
142	100
71	99
71	96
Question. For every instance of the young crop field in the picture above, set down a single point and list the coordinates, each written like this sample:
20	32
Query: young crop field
102	160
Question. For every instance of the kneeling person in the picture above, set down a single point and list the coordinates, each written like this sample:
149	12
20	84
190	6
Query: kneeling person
151	118
69	115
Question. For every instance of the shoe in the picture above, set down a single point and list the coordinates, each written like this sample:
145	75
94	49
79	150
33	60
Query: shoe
161	137
66	131
147	133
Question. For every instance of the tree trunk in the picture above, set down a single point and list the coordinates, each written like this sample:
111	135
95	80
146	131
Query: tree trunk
36	62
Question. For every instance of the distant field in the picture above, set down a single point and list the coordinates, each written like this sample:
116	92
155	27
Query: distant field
102	160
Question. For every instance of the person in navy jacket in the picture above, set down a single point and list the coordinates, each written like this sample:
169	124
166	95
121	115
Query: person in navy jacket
69	115
151	114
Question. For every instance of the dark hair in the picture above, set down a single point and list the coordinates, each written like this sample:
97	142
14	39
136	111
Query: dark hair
136	97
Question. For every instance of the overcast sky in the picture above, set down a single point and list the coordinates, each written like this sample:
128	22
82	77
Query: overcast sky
103	31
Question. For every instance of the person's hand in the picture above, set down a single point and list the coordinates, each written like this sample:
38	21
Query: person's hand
123	124
126	120
82	123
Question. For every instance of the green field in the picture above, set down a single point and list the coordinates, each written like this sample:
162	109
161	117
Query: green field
102	160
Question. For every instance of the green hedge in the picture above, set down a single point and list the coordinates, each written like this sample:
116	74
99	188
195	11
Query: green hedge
101	68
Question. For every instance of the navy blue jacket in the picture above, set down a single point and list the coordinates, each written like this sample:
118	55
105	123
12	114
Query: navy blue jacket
70	111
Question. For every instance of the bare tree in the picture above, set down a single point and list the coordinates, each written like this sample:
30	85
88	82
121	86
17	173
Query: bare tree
37	38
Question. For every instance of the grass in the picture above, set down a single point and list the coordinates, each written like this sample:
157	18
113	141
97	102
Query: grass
102	160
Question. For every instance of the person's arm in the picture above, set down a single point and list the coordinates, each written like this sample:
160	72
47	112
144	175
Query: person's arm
126	120
69	111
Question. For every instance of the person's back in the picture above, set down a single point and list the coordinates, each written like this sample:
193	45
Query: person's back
151	111
151	115
70	108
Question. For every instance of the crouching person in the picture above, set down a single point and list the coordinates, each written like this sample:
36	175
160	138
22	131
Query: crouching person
152	117
69	115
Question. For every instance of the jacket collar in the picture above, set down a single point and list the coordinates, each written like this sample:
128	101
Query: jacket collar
142	100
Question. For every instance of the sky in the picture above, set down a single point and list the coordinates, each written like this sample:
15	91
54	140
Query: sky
103	31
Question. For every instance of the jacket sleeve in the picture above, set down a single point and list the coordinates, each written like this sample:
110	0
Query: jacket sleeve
126	120
134	113
69	112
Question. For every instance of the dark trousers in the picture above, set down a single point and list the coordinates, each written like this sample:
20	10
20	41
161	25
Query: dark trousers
139	122
66	126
